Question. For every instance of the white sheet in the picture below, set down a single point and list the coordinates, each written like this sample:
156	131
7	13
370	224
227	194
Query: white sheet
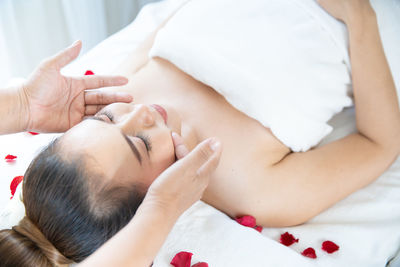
366	225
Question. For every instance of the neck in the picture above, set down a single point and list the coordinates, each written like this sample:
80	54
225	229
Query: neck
189	134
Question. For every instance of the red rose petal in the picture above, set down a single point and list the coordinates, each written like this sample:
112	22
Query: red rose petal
258	228
288	239
309	252
14	183
329	246
89	72
247	220
200	264
33	133
182	259
10	158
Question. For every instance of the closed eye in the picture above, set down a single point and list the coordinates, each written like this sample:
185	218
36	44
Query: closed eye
134	149
106	113
145	140
110	116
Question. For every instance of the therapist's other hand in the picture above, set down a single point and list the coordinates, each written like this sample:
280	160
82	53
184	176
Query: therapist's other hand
55	103
183	183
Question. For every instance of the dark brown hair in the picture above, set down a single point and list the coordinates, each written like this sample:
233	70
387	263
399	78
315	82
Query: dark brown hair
69	213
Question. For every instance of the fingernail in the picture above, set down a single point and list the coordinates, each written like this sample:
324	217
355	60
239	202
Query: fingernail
214	144
175	135
122	80
123	94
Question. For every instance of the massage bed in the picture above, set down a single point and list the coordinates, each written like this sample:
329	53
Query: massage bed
365	225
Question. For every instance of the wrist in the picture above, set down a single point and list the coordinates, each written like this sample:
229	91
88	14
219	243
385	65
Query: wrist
151	207
23	108
12	110
359	12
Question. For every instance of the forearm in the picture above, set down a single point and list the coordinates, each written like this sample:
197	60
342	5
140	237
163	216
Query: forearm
137	243
376	103
11	111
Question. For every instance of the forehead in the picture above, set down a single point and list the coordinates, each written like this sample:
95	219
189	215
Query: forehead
104	146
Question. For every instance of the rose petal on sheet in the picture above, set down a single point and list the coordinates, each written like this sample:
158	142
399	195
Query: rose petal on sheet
258	228
33	133
182	259
10	158
200	264
329	246
14	184
288	239
89	72
247	220
309	252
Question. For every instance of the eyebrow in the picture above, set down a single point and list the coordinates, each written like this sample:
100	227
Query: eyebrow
134	149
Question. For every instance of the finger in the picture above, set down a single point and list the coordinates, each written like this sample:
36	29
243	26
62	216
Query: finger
93	109
97	97
67	55
210	165
180	148
204	154
97	81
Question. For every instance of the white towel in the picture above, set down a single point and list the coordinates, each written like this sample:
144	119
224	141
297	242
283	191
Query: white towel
281	62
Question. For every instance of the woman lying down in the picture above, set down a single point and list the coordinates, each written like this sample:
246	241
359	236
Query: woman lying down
87	184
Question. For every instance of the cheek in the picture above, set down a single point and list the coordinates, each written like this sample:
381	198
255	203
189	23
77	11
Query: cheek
162	154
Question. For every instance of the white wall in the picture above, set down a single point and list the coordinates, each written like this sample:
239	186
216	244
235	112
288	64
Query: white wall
31	30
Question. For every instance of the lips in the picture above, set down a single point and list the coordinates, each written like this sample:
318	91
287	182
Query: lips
162	111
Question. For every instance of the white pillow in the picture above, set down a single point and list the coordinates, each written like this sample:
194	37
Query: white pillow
281	62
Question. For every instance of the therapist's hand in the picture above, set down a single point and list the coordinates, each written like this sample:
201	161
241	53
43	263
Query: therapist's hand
183	183
54	103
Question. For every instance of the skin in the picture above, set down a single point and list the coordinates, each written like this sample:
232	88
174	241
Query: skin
110	151
257	174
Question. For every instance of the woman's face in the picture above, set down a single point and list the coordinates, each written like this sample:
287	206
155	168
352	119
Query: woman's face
126	142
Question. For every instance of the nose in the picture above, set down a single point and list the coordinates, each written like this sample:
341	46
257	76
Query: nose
140	117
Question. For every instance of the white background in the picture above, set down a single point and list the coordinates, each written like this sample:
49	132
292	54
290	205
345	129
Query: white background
31	30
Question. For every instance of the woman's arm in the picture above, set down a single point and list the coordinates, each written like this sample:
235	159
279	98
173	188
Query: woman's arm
173	192
319	178
376	102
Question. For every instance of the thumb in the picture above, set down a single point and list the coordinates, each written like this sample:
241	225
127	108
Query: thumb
180	148
67	55
204	158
